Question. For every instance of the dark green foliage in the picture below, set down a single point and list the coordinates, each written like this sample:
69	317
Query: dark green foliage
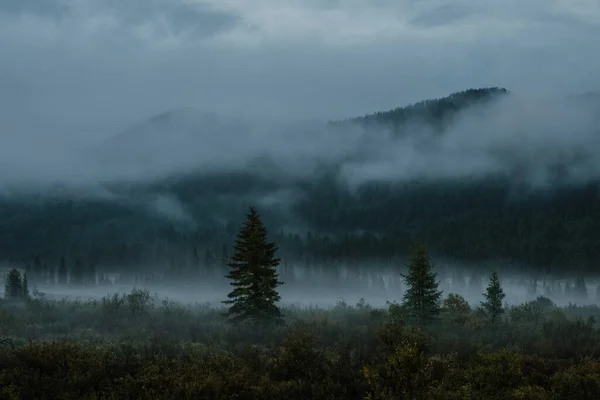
37	269
494	295
77	273
422	297
455	304
25	287
253	274
90	274
62	272
436	112
580	289
13	286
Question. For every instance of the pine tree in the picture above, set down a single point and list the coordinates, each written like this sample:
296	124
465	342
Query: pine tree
422	297
90	274
62	272
37	268
580	288
25	287
253	274
209	260
224	254
492	306
77	273
13	286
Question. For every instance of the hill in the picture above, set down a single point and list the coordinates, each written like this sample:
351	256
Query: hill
188	214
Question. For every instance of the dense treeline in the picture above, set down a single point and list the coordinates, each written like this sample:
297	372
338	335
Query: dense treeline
490	218
435	112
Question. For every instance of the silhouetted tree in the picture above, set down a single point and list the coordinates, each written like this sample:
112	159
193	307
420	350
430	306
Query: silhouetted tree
253	274
580	289
77	273
224	254
13	287
209	260
422	297
37	268
90	274
492	306
25	286
62	272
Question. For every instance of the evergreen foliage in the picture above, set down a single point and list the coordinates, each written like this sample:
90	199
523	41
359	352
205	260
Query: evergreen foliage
492	306
25	286
13	286
422	297
77	273
62	272
253	275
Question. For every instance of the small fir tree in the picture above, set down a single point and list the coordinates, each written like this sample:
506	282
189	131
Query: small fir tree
25	287
422	297
253	275
77	273
90	274
13	286
37	269
62	272
580	288
492	306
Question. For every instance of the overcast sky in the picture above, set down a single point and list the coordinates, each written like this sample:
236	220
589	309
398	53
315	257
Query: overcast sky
93	67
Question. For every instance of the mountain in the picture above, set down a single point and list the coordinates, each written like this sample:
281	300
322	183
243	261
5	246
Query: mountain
185	178
437	112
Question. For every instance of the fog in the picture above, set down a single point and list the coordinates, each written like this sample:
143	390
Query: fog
544	141
75	73
326	286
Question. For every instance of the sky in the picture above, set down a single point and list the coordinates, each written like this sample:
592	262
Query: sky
90	68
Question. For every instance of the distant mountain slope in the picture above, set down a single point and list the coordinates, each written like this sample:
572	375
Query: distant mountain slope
436	112
160	219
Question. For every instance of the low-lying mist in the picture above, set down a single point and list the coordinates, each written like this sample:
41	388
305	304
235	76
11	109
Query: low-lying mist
325	286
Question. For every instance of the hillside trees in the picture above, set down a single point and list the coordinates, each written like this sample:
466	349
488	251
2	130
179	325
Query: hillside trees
253	275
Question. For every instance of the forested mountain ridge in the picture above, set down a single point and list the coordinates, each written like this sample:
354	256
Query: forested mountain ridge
188	218
438	112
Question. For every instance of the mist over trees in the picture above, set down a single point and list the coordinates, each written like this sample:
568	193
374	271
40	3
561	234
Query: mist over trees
319	218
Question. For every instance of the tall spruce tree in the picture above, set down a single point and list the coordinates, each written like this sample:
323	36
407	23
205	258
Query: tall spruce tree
25	286
77	273
422	297
62	272
492	306
13	286
253	275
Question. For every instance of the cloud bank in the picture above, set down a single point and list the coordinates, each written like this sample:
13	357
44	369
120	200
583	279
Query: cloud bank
74	72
